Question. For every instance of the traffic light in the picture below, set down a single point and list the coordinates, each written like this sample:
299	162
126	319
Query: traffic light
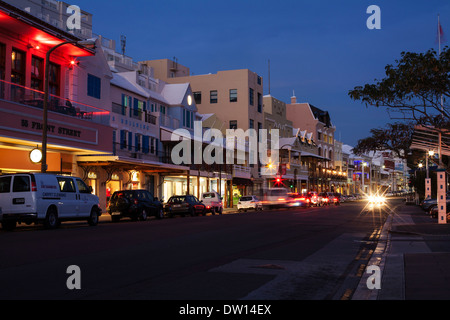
278	181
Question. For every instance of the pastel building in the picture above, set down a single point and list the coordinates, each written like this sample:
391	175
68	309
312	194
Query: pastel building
233	96
324	176
78	106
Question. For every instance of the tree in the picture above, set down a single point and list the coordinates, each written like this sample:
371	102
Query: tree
416	89
395	137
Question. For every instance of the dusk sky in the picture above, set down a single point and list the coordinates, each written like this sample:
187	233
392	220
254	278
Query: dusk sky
319	49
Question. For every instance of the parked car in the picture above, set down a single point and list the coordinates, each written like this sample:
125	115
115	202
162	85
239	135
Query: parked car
323	199
212	201
134	204
300	200
314	197
334	198
182	205
249	202
430	203
46	198
434	212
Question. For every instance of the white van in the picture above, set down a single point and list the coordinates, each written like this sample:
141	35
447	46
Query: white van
45	198
212	201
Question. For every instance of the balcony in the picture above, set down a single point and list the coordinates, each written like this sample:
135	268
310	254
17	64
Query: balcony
168	121
241	172
135	114
33	98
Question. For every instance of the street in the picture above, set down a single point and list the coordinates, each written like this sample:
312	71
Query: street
295	254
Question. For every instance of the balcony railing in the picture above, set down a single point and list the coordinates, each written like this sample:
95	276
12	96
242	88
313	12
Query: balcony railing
135	114
34	98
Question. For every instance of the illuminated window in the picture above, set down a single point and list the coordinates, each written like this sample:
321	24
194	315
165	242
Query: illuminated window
18	67
54	79
37	74
2	61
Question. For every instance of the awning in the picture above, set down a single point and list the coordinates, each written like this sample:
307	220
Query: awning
312	155
425	138
242	182
131	164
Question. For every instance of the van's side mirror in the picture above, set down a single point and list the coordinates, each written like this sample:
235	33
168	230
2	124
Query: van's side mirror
221	198
90	189
155	199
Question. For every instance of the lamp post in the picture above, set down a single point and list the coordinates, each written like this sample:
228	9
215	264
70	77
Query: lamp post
428	180
88	44
363	169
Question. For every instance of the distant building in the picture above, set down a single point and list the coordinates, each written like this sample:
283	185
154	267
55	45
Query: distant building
236	98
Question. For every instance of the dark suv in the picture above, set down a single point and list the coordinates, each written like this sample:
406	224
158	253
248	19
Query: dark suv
135	204
184	205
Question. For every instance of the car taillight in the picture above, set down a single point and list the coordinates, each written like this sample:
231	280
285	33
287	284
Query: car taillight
33	186
136	201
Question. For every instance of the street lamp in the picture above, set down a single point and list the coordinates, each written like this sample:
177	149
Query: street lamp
428	180
364	164
88	44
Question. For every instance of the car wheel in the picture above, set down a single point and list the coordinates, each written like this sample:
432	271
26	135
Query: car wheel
143	216
160	213
430	210
220	210
213	211
8	225
192	212
93	218
51	219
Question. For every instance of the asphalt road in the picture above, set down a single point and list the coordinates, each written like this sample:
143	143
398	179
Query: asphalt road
302	254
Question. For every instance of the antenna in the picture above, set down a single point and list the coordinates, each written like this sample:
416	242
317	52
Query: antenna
269	76
123	43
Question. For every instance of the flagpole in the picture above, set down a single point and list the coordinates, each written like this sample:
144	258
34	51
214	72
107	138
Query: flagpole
439	33
442	97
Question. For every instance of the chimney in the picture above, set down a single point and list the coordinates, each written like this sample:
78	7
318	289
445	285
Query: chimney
293	98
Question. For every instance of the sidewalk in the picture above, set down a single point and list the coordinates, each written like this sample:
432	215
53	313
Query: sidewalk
414	258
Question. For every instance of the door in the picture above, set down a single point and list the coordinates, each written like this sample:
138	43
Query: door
84	199
22	198
148	200
68	205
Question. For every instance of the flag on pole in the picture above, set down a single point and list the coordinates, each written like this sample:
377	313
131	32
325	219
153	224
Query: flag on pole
440	36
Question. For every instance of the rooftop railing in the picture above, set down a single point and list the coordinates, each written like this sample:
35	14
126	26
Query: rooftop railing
34	98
